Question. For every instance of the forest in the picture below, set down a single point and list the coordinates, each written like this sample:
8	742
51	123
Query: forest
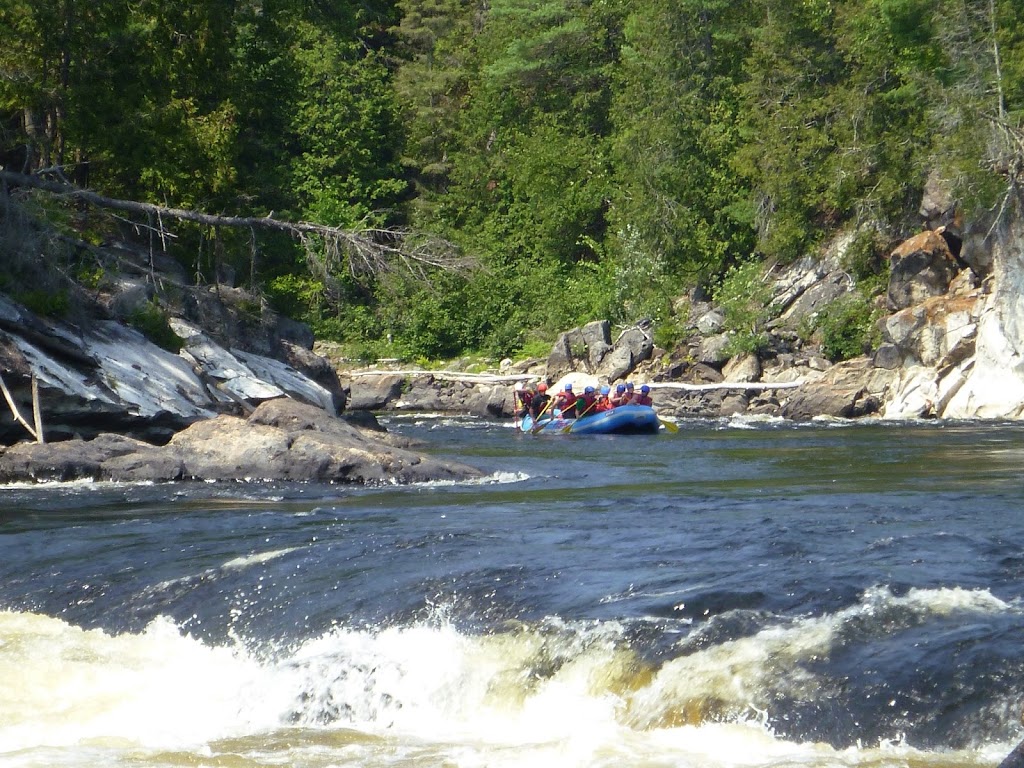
527	165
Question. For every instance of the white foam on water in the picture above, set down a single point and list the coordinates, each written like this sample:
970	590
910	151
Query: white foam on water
743	674
61	685
495	478
257	558
572	695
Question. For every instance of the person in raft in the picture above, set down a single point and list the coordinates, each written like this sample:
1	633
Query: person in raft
587	404
566	401
524	396
617	399
604	402
539	402
644	398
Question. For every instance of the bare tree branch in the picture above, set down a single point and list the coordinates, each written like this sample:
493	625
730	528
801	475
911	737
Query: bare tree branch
367	252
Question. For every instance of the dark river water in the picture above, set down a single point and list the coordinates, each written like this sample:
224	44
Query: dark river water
735	594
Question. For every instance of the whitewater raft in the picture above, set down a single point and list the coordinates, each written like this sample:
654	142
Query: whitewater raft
624	420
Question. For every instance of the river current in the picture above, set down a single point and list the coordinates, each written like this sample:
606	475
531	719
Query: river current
734	594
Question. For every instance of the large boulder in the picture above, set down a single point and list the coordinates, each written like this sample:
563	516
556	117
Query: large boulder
598	342
937	332
850	389
101	376
281	440
804	288
633	346
938	203
921	267
247	376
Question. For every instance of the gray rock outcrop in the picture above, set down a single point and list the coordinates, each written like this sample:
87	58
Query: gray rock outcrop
107	377
281	440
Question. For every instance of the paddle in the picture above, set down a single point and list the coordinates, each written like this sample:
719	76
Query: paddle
537	426
673	428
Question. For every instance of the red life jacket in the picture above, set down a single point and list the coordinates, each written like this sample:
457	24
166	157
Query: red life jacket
567	402
641	399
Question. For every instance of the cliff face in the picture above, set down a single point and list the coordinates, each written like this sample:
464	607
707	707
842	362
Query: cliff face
995	386
984	375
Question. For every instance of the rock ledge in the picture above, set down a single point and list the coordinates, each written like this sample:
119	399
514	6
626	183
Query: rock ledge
281	440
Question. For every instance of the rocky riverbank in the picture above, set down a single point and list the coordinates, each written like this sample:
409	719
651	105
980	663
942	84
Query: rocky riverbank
237	401
949	342
245	395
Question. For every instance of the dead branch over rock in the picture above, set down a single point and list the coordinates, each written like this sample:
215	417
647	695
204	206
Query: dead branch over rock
369	251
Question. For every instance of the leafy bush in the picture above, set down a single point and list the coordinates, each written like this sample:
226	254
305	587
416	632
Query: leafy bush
91	277
46	303
151	321
848	328
668	333
535	348
866	261
745	298
296	296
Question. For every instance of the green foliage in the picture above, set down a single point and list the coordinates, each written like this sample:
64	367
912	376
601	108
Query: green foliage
675	116
848	328
866	260
643	285
295	295
344	169
151	321
47	303
670	332
90	276
744	297
535	348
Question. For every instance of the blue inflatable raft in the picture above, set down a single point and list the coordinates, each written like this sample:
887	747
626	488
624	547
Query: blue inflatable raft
624	420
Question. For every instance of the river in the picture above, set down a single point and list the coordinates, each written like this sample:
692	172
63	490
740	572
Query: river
735	594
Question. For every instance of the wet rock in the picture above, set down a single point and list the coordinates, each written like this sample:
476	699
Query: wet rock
734	403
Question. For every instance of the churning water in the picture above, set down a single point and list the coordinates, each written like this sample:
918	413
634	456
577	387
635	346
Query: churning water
736	594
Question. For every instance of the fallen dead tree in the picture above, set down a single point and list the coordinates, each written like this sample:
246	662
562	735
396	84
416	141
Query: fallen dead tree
757	386
484	378
369	251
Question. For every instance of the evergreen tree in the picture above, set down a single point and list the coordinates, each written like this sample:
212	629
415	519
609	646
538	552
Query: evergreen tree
679	207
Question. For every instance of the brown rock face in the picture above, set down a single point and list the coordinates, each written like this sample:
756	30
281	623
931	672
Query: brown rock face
281	440
922	267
